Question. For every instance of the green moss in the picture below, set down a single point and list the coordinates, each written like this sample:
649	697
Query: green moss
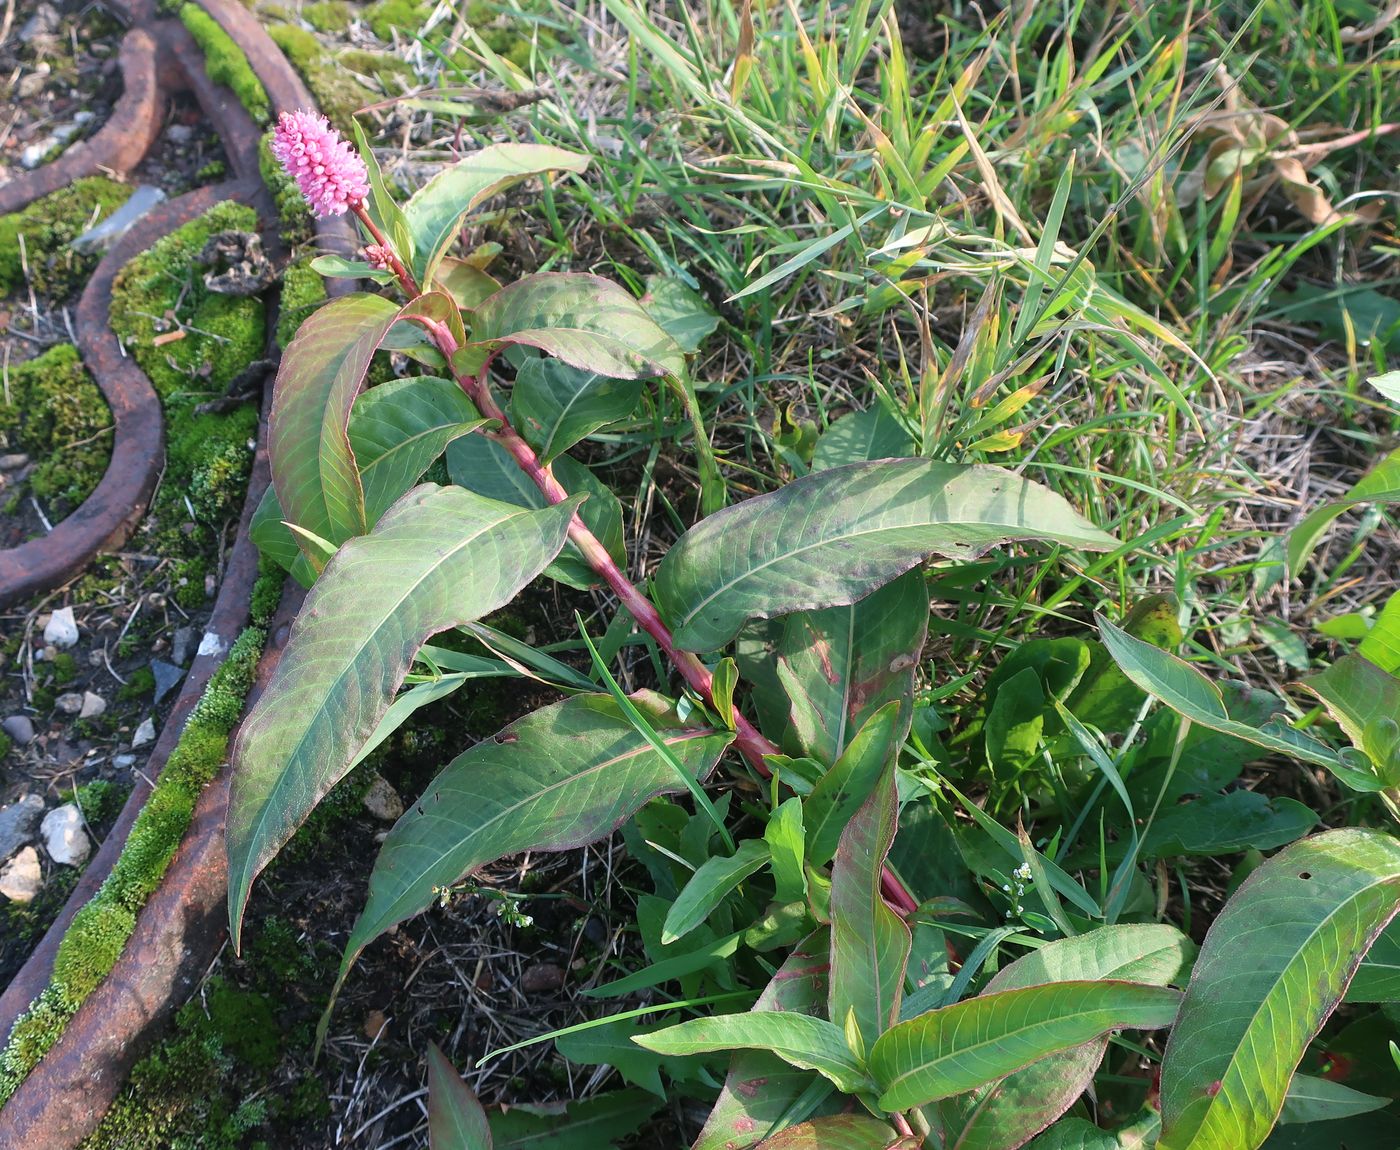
267	592
48	226
390	71
328	15
65	668
384	17
303	291
101	801
101	928
57	415
337	93
292	211
141	684
225	62
297	44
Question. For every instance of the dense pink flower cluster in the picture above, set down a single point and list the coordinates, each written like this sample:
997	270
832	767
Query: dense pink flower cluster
329	173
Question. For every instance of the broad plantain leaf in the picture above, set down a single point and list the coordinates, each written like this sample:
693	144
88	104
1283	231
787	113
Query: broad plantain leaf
799	1039
979	1040
554	405
398	428
1274	965
558	778
441	557
585	320
436	210
833	537
869	941
456	1120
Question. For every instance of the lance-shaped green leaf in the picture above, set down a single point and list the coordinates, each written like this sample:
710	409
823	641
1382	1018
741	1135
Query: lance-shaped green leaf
862	435
833	537
554	405
869	941
399	428
1379	485
436	210
456	1120
585	320
709	885
799	1039
840	792
308	441
841	1132
559	778
1365	702
761	1090
1188	692
1312	1099
1007	1113
1273	967
963	1046
441	557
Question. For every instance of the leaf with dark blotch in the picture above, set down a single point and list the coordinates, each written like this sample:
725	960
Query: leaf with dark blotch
834	536
1274	965
441	557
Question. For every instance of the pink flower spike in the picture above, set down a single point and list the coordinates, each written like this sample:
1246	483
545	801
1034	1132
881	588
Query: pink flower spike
328	171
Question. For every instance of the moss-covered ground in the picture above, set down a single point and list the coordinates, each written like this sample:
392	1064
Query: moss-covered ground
37	237
225	62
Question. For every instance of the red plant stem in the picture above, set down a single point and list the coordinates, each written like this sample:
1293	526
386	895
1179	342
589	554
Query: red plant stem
750	741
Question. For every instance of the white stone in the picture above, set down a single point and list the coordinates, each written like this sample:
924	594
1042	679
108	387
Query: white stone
70	703
145	733
64	837
211	644
20	878
93	705
382	801
62	629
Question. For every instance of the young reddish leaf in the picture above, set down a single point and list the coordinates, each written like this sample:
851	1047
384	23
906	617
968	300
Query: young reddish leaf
1274	966
456	1120
869	941
441	557
834	536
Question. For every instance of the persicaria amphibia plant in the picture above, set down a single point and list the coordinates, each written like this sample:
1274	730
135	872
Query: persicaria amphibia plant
791	624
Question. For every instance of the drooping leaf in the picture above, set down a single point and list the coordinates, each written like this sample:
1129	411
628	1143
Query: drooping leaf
398	428
1381	642
709	885
1365	702
860	436
439	558
308	441
560	777
1312	1099
979	1040
1379	485
554	405
843	789
456	1120
869	941
1274	965
596	1123
484	466
761	1089
588	322
1153	953
840	1132
832	537
799	1039
436	210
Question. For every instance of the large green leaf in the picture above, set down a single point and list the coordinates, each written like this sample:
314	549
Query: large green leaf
709	886
560	777
799	1039
308	441
862	435
1381	643
1312	1099
441	557
835	536
1274	965
554	405
596	1123
761	1089
436	210
1224	824
484	466
456	1120
1379	485
869	941
1005	1114
963	1046
840	1132
398	428
585	320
